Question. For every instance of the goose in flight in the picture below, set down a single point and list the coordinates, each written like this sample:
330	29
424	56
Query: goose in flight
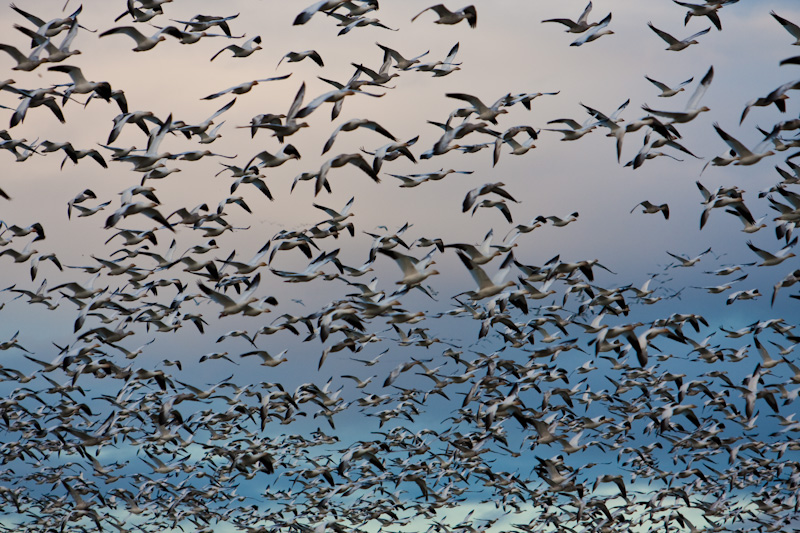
791	27
244	87
681	117
30	99
286	153
390	152
338	162
353	124
55	54
676	45
596	32
486	188
751	225
469	13
200	23
652	208
144	43
350	23
196	129
483	112
576	130
578	26
615	129
331	96
703	10
487	287
294	57
777	97
686	261
324	5
52	27
80	85
415	271
25	63
442	68
499	204
249	46
771	259
480	254
743	155
382	76
666	90
244	304
290	124
401	62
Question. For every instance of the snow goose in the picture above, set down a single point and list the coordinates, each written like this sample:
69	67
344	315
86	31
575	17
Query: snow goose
80	85
743	155
401	62
442	68
751	225
652	208
415	271
286	153
244	87
382	76
558	221
390	152
311	272
294	57
481	254
249	46
610	122
244	304
137	117
791	27
446	16
771	259
196	129
486	188
31	99
487	287
25	62
143	43
335	97
576	130
324	5
578	26
750	294
666	90
704	10
482	111
686	261
58	53
676	45
596	32
351	23
290	124
681	117
340	161
52	27
777	97
351	125
200	23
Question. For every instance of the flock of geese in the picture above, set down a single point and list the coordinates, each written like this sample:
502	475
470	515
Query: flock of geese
548	397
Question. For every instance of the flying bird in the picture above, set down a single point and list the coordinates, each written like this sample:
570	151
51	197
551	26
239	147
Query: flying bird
676	45
469	13
246	49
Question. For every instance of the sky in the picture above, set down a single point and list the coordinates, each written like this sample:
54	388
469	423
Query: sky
481	418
